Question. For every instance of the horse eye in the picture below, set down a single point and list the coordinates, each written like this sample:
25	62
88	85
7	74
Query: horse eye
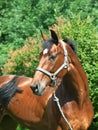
52	57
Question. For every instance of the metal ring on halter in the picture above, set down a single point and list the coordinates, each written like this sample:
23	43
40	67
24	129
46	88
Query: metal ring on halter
53	77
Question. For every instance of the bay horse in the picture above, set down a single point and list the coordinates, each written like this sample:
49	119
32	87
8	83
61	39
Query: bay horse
21	104
60	68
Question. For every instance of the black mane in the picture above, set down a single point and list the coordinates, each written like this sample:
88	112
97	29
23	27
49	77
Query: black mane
8	90
71	44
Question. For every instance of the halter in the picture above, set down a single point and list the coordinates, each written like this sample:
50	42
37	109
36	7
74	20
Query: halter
53	78
64	65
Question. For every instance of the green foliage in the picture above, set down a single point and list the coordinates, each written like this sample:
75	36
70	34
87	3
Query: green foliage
86	8
3	51
20	127
15	25
20	19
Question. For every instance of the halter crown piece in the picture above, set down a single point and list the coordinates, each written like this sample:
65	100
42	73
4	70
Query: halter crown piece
65	65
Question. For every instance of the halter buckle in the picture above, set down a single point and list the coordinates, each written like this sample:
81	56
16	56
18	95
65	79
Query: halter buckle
53	78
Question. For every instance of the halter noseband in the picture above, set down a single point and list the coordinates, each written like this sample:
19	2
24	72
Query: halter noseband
65	65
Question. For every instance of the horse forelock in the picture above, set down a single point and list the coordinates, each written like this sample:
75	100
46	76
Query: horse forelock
48	44
8	90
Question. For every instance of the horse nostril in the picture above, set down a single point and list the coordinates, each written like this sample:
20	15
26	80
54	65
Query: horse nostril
34	88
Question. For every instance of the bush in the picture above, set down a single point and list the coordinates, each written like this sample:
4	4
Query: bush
23	61
83	32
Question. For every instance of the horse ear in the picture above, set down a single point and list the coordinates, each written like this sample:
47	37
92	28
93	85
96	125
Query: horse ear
54	36
44	36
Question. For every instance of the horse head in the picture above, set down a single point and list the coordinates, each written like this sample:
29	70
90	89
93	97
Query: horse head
53	64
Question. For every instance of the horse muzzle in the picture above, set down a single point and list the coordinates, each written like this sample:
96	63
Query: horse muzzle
38	88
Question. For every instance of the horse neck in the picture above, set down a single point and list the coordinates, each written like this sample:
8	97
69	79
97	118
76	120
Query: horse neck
75	82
